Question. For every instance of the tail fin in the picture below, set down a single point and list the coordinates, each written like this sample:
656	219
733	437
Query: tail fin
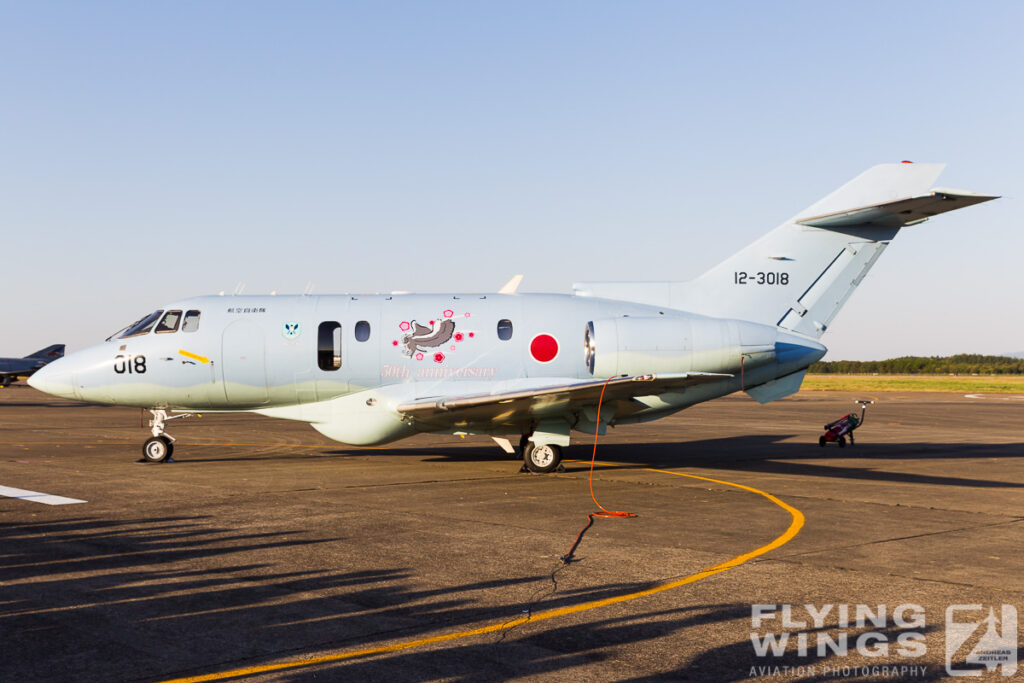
801	273
50	352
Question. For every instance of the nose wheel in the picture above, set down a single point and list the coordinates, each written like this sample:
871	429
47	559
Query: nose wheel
160	447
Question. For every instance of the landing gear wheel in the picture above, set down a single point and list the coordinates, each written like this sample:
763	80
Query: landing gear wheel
821	441
842	442
542	459
157	449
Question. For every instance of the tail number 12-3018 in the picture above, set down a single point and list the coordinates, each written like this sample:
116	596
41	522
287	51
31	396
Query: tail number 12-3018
740	278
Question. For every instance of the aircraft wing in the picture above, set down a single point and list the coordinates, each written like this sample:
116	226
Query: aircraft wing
900	212
548	401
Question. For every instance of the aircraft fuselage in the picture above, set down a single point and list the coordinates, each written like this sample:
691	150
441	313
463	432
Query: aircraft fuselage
291	353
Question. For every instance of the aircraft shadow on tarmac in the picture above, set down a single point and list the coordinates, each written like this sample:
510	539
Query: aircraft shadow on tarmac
756	453
90	599
750	453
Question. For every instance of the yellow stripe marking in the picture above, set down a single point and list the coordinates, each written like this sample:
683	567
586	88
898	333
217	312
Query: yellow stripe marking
194	356
785	537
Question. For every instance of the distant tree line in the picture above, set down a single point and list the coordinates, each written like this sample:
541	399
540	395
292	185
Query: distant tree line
961	364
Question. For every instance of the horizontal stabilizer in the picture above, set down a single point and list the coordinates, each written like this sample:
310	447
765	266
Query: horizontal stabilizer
801	273
900	212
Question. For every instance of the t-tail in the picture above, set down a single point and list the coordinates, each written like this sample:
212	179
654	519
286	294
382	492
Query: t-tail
801	273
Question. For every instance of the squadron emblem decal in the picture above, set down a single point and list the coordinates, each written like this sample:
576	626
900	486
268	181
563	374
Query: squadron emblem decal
420	341
291	331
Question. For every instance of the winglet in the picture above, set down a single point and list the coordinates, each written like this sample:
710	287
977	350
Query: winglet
512	285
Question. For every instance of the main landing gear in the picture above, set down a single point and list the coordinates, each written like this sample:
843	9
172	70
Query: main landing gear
159	447
542	458
541	447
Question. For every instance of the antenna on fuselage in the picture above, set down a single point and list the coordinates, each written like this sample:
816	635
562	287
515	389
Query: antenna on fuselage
309	289
239	288
512	285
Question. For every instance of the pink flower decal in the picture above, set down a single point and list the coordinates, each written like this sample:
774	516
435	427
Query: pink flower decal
467	315
438	357
394	342
404	326
472	334
453	347
449	313
458	337
419	356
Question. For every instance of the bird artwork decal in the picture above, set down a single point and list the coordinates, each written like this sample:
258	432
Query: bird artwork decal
421	338
418	340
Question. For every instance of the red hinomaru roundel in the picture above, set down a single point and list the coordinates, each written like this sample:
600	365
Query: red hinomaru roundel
544	348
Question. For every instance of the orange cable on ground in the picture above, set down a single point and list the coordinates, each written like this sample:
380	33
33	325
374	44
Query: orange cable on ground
605	512
593	458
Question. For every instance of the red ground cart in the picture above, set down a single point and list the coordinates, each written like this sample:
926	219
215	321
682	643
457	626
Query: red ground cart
842	428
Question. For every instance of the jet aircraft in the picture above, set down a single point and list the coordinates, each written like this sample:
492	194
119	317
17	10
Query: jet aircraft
13	368
371	369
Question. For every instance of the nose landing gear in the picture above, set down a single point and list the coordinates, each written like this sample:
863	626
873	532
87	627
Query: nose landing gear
160	447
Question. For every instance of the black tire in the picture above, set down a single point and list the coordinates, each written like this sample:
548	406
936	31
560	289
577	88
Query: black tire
156	449
821	441
842	442
542	459
524	442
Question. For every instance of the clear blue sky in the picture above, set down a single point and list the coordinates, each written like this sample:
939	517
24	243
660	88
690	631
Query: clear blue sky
151	151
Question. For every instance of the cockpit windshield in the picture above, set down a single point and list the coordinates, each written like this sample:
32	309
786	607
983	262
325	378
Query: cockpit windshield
139	327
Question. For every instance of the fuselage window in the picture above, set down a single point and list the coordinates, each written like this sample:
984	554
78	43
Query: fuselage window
328	348
504	329
169	322
362	331
191	323
142	326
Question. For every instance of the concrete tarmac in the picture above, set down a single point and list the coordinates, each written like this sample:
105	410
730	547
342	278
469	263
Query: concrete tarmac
265	544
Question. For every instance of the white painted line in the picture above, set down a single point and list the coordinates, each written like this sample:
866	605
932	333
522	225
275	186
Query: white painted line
995	397
37	497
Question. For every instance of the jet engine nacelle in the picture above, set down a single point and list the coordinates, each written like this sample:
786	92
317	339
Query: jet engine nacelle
641	345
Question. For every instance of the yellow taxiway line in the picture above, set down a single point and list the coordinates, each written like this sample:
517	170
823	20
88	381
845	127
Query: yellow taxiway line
794	528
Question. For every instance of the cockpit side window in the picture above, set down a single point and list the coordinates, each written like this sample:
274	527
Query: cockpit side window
169	323
142	326
191	323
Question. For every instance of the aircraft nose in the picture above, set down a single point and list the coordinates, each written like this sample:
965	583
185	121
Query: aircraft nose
54	378
795	352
